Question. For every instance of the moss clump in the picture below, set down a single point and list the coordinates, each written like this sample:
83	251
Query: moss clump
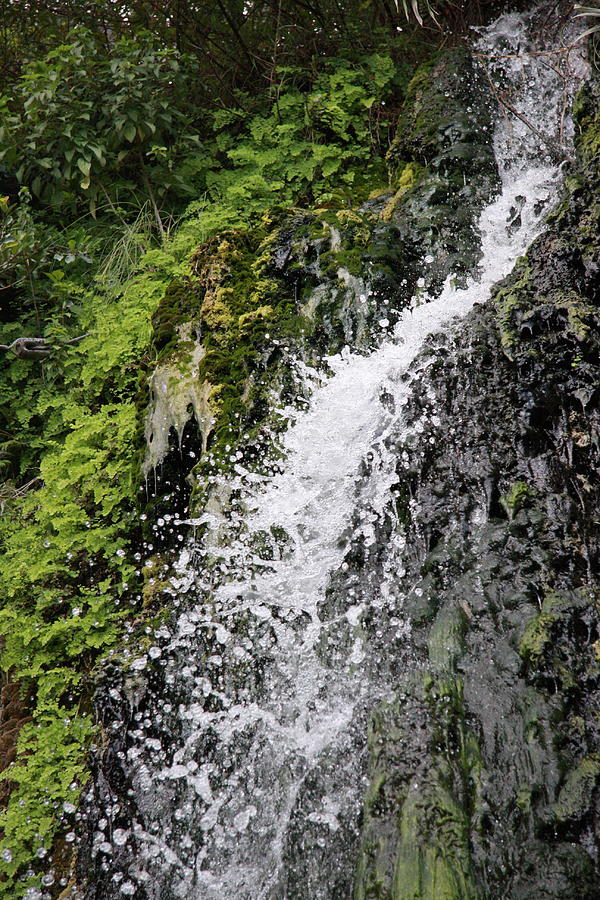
446	639
586	114
433	866
518	497
410	176
350	236
579	785
517	293
179	304
550	647
245	313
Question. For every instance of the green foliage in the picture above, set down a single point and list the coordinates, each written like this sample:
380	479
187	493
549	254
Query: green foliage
66	578
84	123
311	144
519	496
48	777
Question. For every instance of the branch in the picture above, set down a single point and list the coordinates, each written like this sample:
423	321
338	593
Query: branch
35	347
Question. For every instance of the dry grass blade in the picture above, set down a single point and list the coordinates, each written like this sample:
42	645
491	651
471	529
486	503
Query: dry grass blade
413	11
125	253
584	11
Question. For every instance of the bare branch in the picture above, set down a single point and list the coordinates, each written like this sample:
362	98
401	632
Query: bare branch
35	347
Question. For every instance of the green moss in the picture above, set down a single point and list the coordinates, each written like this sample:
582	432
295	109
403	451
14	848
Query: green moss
433	857
446	639
410	176
586	115
539	632
243	311
421	806
178	305
433	863
580	314
516	295
518	497
579	785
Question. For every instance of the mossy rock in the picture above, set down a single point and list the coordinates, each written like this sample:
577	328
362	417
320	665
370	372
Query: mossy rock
179	304
579	785
447	117
443	165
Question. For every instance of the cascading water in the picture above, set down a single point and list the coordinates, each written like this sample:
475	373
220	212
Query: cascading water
249	776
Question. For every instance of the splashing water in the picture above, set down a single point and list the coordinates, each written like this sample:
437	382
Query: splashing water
265	730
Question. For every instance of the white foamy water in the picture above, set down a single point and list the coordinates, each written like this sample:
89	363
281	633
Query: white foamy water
261	708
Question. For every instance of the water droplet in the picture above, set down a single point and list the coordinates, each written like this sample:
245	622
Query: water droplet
120	836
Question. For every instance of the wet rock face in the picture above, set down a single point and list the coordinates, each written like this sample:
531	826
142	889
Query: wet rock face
444	161
484	769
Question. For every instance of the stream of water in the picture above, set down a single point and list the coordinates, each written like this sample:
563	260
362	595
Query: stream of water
260	746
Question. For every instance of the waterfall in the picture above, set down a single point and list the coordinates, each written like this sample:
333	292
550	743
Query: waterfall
248	758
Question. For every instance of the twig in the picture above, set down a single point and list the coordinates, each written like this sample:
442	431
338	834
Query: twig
505	103
35	347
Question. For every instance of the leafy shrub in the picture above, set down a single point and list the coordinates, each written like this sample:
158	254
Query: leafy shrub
83	123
